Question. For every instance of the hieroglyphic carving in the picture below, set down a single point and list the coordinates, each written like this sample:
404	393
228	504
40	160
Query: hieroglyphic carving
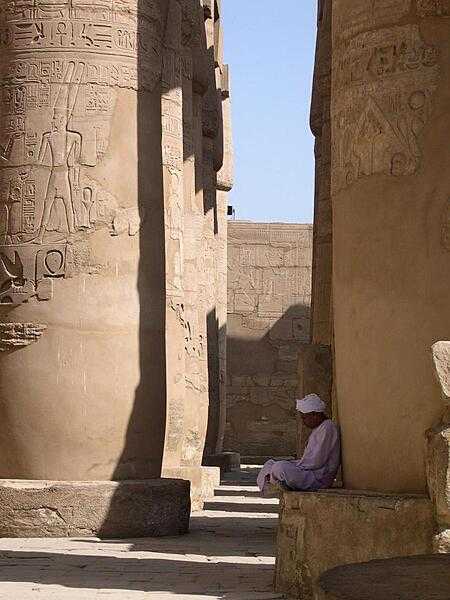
63	62
19	335
386	81
172	147
440	8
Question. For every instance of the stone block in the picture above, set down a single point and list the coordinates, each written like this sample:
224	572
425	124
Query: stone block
438	475
441	359
204	480
396	578
106	509
319	531
438	451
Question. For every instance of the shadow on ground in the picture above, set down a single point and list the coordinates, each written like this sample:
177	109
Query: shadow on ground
228	555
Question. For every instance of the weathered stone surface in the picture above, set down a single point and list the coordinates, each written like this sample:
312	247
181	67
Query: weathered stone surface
321	300
203	481
269	286
390	118
318	531
217	182
132	509
82	229
441	358
19	335
108	227
410	578
438	475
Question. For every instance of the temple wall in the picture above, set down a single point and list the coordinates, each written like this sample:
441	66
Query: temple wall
269	295
390	189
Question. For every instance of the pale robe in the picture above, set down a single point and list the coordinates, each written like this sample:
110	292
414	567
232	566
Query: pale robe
318	467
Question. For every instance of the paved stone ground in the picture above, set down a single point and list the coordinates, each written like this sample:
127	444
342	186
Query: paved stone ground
229	555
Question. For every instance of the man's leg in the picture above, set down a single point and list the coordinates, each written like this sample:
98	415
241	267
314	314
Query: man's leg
48	204
288	473
264	474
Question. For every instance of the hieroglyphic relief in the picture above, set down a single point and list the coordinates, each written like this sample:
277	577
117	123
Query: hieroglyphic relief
439	8
386	81
63	63
172	147
19	335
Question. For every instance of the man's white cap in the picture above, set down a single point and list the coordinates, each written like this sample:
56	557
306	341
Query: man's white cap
311	403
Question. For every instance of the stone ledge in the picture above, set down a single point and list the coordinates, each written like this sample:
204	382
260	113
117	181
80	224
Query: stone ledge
394	579
106	509
321	530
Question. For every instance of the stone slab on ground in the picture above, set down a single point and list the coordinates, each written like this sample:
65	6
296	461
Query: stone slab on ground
229	554
321	530
153	507
410	578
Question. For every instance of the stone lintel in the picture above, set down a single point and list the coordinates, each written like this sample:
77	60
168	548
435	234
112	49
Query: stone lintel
105	509
321	530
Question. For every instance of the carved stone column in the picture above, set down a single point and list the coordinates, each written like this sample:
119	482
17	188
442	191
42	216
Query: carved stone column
82	270
187	336
316	360
391	266
215	130
172	164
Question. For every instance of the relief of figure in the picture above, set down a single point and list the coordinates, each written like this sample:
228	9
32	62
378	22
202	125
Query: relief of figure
64	147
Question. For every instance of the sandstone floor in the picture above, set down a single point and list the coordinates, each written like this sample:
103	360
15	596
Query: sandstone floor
229	555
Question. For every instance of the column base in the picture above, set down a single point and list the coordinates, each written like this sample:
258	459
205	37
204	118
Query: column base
228	462
105	509
204	480
320	530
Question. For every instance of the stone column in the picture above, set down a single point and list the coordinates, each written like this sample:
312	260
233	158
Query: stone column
218	169
316	361
391	265
188	335
321	310
83	205
211	122
172	164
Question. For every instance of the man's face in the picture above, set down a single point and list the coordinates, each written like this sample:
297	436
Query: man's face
312	420
59	123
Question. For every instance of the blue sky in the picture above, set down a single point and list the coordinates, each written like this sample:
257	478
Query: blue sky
270	49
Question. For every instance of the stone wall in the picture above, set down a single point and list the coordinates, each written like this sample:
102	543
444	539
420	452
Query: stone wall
269	294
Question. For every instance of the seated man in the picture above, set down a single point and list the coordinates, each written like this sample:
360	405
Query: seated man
320	462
